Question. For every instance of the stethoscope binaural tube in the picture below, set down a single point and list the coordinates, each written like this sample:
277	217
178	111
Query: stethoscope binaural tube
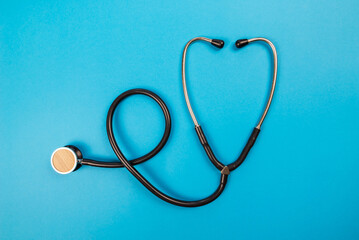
239	44
69	158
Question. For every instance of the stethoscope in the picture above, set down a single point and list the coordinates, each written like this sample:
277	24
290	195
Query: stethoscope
69	158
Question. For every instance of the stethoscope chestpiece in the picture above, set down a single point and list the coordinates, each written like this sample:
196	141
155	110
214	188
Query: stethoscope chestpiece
66	159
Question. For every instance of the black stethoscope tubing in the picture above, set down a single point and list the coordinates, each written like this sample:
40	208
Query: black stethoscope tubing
129	164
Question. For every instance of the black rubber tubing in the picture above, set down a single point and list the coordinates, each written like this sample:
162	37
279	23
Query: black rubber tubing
130	164
215	161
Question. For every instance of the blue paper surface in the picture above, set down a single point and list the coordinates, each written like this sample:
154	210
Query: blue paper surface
62	63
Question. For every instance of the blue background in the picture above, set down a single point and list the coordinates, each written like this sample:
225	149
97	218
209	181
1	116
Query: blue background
63	62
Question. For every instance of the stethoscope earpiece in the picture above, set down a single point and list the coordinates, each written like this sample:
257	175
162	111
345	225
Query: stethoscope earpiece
217	43
241	43
66	159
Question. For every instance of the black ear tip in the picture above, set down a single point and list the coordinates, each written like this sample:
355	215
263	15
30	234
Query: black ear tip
241	43
217	43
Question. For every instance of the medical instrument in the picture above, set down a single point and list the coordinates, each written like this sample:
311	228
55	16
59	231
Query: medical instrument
69	158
